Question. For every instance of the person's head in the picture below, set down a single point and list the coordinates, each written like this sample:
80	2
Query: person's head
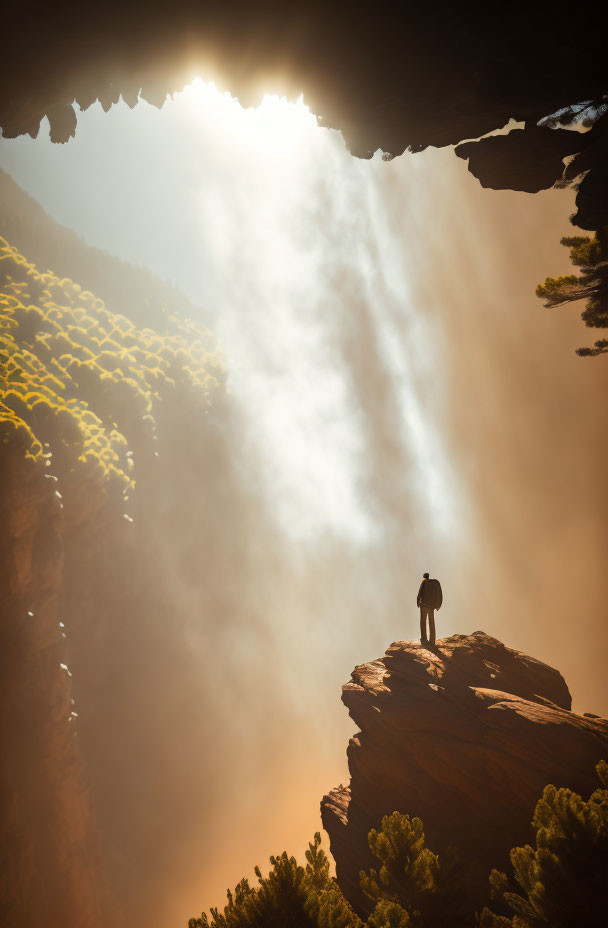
426	576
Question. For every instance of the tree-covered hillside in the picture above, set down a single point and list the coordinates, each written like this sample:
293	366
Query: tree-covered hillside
95	413
131	291
77	380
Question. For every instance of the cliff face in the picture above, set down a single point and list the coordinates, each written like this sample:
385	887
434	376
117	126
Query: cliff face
51	864
84	393
465	737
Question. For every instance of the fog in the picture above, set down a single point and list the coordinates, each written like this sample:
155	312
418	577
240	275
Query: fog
398	402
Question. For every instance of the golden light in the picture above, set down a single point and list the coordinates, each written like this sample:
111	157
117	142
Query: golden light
276	127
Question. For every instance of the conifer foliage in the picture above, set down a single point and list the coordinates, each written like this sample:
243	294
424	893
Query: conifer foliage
291	896
413	887
591	255
563	881
406	875
78	383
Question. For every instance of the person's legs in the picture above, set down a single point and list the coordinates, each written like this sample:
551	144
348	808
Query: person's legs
422	625
431	626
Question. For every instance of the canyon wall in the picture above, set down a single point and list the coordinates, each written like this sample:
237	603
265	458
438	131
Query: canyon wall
52	868
79	391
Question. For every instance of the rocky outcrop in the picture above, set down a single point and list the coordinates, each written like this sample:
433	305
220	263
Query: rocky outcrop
465	736
533	158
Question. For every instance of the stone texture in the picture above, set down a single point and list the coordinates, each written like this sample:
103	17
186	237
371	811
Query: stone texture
51	868
464	736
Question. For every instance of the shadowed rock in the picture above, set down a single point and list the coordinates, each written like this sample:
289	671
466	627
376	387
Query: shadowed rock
529	159
465	736
391	76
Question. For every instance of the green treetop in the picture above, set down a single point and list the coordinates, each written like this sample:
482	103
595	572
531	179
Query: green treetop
291	896
563	881
591	255
413	886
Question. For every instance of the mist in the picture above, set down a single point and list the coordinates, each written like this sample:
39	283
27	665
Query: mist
397	402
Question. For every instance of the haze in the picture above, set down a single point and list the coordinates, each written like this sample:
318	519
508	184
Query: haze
399	403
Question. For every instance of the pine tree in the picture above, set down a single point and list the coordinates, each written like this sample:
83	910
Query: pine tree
413	887
591	255
389	915
563	881
279	901
325	901
408	868
290	896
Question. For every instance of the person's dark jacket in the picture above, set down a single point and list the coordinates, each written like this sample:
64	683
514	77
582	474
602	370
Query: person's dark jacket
430	594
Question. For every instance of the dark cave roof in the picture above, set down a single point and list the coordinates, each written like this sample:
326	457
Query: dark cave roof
389	75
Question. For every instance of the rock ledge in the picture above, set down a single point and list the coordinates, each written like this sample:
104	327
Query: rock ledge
465	736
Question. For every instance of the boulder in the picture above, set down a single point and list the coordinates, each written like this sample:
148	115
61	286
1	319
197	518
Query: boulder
465	736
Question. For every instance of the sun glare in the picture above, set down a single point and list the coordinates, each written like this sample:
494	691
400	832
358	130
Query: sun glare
259	210
276	126
265	221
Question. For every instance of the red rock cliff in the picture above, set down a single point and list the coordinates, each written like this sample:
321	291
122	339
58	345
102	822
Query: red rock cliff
465	737
51	867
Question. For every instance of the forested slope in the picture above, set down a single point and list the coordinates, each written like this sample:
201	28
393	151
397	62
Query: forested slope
87	399
71	368
132	291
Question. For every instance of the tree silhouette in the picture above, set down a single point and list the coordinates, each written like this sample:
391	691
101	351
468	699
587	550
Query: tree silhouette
413	886
591	255
561	882
291	896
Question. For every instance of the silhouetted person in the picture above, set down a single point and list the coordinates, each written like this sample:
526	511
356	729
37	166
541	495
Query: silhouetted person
429	598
